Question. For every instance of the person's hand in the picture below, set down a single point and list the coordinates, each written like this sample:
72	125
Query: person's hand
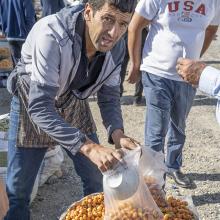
105	158
123	141
190	70
133	74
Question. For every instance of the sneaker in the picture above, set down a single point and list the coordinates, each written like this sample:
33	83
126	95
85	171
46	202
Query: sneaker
180	179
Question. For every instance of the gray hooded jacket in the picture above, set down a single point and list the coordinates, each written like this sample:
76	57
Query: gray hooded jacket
51	55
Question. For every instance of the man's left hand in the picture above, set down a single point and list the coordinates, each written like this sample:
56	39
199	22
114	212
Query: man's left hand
190	70
123	141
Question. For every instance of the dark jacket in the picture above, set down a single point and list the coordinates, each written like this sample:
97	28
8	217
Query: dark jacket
3	14
18	17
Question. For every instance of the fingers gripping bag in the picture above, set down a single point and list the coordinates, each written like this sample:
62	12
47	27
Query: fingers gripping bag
126	196
153	169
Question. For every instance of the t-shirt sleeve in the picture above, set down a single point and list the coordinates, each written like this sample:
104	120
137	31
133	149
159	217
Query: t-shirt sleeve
216	19
148	9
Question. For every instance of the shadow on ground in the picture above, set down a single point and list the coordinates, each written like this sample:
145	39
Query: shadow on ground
212	62
207	198
129	100
198	101
125	100
205	177
204	100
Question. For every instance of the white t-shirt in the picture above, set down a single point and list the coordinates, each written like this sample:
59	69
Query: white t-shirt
177	30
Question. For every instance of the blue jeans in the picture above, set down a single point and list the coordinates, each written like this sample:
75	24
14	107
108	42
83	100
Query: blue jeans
50	7
23	166
168	104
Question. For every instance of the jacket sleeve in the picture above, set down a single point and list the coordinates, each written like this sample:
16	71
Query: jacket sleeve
43	90
110	108
210	81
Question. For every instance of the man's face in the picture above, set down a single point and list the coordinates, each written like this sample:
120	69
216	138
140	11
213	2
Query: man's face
105	26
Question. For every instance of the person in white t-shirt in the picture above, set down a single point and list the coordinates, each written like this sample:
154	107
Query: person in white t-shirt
176	29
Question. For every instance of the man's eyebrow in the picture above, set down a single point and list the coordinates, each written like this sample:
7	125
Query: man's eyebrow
126	22
109	15
113	17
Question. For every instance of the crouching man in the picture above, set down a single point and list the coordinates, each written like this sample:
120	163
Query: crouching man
66	58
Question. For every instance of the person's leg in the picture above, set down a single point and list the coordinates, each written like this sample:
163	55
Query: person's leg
158	94
123	72
61	4
124	64
90	174
51	6
176	136
23	166
185	94
139	85
138	88
15	47
138	92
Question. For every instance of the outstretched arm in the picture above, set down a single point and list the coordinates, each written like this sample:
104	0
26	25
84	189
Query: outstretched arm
209	36
138	23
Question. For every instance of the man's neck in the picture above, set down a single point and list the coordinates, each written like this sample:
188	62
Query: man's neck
90	49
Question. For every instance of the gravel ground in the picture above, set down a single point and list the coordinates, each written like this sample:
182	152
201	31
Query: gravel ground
201	155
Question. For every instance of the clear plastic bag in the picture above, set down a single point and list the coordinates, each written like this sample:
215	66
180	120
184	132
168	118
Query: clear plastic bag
180	207
153	169
126	195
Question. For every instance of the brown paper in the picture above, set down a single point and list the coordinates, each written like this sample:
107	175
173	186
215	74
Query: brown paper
3	200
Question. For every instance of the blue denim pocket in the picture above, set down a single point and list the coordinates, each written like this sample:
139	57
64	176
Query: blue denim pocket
14	122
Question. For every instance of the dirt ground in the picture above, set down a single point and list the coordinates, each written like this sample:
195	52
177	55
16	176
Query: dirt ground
201	156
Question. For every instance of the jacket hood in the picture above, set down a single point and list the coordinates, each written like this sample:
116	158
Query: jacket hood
68	17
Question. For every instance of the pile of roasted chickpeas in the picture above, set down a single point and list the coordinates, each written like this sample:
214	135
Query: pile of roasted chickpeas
176	210
92	208
127	212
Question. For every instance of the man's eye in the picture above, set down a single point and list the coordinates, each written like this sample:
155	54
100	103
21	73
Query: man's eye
107	19
124	25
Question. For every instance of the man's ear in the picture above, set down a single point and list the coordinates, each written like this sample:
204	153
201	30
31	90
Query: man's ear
88	12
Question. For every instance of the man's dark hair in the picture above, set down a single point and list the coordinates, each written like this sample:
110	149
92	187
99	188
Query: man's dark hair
125	6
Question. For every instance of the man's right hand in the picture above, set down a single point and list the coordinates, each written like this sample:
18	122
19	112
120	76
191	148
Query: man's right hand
133	74
105	158
190	70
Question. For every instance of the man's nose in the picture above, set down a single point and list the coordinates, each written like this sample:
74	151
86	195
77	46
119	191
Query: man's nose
114	32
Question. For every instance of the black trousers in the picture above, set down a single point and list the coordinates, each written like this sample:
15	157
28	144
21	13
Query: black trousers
15	47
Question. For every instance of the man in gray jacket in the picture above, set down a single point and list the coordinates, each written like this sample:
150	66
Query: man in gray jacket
66	58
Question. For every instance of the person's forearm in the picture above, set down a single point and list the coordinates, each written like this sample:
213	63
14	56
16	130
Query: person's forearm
134	45
209	36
